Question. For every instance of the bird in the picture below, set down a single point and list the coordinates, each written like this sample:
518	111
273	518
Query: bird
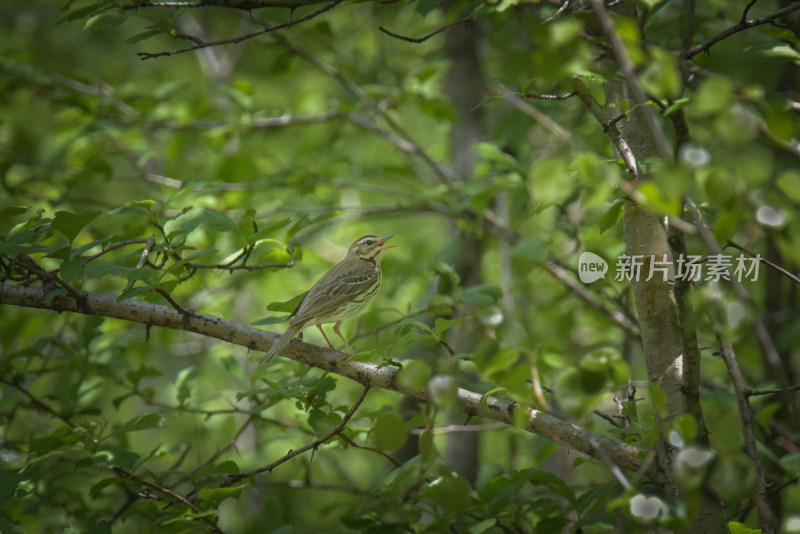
342	292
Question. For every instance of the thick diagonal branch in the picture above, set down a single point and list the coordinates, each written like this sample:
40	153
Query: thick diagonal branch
563	432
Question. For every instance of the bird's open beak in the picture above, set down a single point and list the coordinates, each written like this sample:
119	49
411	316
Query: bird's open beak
383	246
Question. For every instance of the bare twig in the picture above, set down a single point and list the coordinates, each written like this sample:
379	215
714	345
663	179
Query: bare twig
37	402
581	292
765	514
364	447
563	96
232	443
231	267
171	301
148	240
563	7
762	334
238	39
456	429
428	36
774	490
122	473
232	479
747	10
246	5
525	107
688	21
610	419
287	119
757	392
741	26
766	262
400	144
444	174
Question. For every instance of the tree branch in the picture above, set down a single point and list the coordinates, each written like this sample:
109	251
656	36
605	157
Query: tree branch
629	71
742	25
174	497
238	39
472	403
766	516
232	479
444	174
246	5
425	37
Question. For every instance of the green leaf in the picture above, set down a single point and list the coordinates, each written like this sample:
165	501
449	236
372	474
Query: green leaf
184	382
228	467
86	11
482	526
271	320
99	270
178	265
551	481
595	495
661	76
576	390
774	50
216	221
451	492
676	105
288	305
141	36
415	374
307	221
141	422
60	438
441	324
97	488
713	96
96	243
734	527
133	293
529	249
440	110
70	269
70	224
501	361
11	211
134	376
732	476
498	159
482	294
550	182
269	230
408	323
789	184
323	421
491	392
89	525
9	483
389	432
214	496
611	216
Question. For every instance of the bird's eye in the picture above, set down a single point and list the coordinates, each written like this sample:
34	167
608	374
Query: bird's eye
369	242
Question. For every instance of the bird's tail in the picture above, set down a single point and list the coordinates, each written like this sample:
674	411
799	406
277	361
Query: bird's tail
282	341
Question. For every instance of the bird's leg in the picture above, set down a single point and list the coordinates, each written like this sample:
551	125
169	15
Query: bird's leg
336	328
326	337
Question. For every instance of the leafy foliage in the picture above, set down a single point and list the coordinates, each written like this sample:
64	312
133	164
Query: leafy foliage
227	180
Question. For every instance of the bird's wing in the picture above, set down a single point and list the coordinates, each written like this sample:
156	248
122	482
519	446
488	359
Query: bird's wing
335	288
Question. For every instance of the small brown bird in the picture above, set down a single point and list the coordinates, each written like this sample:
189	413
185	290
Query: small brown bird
341	293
